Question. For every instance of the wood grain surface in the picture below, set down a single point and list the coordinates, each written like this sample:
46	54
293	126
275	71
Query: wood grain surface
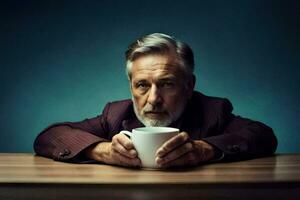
26	176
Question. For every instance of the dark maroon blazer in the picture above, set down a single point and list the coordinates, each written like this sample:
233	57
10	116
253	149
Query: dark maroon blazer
206	118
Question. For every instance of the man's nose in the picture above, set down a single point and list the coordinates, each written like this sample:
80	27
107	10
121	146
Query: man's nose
154	97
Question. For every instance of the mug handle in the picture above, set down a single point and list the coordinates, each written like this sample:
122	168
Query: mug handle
127	133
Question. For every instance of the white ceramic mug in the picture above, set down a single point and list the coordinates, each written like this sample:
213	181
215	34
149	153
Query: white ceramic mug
147	140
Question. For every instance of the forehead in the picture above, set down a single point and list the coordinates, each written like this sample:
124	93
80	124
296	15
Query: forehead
156	65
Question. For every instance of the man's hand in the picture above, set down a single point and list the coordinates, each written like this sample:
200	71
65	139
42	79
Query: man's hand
120	151
182	151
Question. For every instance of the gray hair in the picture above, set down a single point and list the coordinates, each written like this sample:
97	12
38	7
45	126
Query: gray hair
159	43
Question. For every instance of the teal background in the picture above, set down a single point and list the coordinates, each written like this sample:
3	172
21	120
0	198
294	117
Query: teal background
64	60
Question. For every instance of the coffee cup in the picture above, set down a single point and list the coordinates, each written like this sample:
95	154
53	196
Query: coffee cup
147	140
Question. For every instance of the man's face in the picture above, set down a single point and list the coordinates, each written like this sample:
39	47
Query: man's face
159	89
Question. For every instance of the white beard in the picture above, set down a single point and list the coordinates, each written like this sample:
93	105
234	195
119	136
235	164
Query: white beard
170	117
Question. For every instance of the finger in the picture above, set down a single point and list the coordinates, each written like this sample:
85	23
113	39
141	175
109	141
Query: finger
173	143
188	159
124	141
121	149
176	153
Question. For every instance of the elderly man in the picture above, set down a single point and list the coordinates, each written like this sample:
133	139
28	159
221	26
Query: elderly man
160	72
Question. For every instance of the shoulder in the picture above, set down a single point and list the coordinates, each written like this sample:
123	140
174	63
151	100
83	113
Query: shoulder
209	104
117	108
118	105
206	113
116	112
207	110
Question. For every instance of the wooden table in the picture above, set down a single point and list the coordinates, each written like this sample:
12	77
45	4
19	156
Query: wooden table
25	176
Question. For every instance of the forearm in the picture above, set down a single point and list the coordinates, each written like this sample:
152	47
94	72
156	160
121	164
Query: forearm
120	151
99	152
61	142
243	138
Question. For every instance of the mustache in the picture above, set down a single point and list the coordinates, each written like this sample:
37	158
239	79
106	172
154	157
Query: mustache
151	108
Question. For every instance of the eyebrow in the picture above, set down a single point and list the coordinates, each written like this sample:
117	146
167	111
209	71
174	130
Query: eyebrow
168	77
164	78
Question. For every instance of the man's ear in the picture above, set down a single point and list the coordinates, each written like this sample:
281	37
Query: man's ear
130	85
191	86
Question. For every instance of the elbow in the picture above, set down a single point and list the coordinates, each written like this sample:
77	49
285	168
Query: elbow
266	141
272	142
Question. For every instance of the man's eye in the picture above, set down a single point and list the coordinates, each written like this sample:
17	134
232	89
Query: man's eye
142	85
167	84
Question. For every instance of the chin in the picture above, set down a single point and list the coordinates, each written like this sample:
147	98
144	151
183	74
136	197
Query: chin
156	122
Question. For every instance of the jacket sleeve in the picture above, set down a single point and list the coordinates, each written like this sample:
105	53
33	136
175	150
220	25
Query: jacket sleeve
240	138
66	141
